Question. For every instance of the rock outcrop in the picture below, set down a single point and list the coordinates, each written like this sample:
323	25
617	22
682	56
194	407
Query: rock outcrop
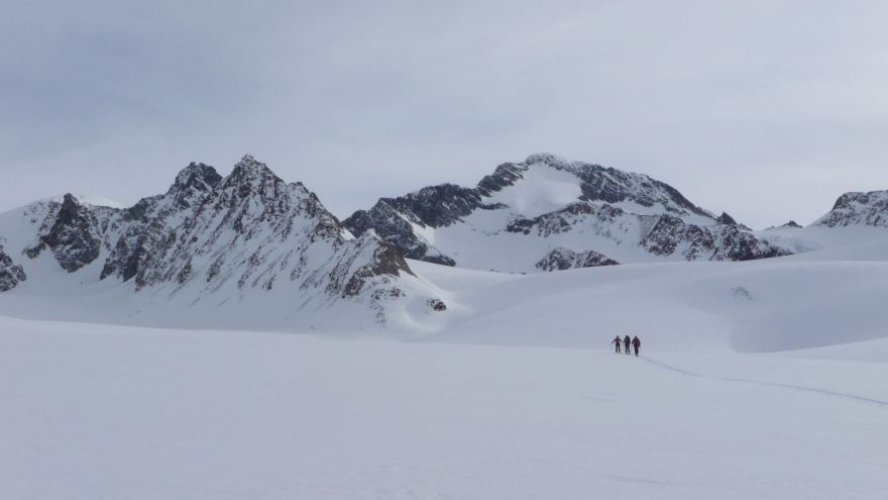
858	209
11	274
561	259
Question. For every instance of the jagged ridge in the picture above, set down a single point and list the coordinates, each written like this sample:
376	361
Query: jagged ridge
249	230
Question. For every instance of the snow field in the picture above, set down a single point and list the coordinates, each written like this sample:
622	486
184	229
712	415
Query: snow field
541	190
766	305
511	393
102	412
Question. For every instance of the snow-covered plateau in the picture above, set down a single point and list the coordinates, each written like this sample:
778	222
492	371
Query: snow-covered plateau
231	339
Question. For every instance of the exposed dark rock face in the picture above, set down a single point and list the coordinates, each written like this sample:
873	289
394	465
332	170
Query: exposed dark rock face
393	228
852	209
720	242
437	305
437	206
10	273
71	235
726	219
385	261
789	225
192	184
561	259
208	233
565	220
135	251
505	175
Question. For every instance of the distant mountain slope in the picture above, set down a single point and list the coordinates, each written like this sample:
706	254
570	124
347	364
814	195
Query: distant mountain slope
858	209
250	251
541	213
856	228
207	239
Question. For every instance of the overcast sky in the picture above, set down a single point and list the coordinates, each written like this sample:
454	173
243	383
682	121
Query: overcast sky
768	110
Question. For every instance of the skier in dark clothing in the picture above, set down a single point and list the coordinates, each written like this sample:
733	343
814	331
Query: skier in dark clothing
636	344
616	342
626	342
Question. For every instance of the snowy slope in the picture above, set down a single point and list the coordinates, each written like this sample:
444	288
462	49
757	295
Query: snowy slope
828	293
538	214
825	297
99	412
756	306
758	379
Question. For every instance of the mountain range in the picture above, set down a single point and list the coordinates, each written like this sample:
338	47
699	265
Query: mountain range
207	239
212	242
546	213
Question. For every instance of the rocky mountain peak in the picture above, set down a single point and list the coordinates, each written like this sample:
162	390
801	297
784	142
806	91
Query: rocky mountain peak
588	213
727	220
70	233
250	171
867	209
852	200
599	184
70	210
252	181
192	182
196	177
548	159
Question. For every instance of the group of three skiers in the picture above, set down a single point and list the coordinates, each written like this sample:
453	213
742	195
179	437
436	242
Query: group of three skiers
626	343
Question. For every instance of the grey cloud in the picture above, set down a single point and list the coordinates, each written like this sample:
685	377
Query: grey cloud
768	110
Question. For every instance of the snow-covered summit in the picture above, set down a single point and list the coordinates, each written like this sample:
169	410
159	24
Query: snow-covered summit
250	171
545	209
196	176
607	184
193	182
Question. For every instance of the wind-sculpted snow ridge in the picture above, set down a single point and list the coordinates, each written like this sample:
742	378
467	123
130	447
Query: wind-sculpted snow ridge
211	239
853	209
516	217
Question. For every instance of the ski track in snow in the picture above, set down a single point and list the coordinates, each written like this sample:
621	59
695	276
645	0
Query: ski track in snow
800	388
